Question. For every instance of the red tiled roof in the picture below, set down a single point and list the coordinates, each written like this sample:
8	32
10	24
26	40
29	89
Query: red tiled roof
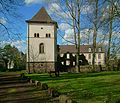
72	49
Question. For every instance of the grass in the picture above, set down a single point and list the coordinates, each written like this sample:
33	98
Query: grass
85	88
12	72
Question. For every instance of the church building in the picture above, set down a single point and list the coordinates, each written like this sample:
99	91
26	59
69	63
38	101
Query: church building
42	43
43	51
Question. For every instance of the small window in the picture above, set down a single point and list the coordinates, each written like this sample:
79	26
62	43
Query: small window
73	63
61	55
41	27
62	63
100	49
68	56
99	56
48	35
35	35
73	55
38	35
67	62
89	56
89	50
41	65
41	48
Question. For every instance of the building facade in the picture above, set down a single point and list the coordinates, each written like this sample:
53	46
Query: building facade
42	42
44	55
67	55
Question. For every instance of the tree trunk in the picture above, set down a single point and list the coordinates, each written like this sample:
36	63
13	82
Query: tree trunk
94	47
110	33
95	34
78	27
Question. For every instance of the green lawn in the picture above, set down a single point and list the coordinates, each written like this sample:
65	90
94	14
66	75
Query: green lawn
85	88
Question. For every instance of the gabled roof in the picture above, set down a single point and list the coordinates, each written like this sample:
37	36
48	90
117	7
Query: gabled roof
41	17
83	49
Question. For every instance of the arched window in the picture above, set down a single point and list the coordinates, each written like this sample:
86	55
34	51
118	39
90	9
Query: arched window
41	48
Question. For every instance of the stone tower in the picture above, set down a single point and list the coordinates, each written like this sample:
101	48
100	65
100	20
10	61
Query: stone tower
42	43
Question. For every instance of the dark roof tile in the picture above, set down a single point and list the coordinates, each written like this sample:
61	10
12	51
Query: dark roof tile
41	17
72	49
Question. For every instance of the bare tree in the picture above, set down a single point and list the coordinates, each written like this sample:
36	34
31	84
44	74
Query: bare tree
72	10
97	17
9	16
113	15
33	57
93	18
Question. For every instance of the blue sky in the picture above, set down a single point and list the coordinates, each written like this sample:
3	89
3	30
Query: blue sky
31	7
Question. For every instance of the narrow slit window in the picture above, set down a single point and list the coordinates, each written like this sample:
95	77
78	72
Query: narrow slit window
34	34
46	35
38	35
49	35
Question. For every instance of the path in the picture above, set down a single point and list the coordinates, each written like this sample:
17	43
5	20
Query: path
15	90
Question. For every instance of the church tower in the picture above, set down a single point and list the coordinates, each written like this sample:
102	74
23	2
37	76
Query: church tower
42	43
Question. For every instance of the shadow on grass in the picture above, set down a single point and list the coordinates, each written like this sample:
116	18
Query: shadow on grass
28	100
46	77
15	90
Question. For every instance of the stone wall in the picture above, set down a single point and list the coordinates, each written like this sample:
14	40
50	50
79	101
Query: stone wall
40	67
88	68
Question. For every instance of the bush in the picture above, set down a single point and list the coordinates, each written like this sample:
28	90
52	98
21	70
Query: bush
118	65
117	101
3	69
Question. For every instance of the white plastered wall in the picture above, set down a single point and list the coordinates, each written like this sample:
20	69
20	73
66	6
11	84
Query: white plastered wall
49	43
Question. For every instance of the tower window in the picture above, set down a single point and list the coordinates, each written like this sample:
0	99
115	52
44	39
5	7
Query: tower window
41	48
37	34
48	35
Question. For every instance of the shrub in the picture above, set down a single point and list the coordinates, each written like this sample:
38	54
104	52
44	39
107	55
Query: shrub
3	69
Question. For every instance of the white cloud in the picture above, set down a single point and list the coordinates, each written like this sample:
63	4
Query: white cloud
64	26
116	34
86	9
53	7
68	36
27	2
3	20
